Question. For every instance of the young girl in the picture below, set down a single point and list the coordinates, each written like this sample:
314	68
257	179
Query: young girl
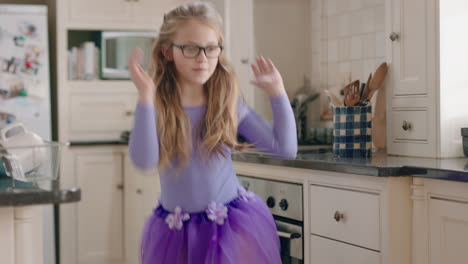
186	123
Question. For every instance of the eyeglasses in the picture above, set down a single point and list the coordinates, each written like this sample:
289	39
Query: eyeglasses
192	51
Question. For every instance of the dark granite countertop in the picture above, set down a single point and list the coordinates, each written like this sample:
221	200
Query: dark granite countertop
24	193
380	164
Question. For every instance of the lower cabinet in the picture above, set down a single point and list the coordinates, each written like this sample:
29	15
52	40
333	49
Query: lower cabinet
348	218
21	235
104	227
440	221
324	250
448	231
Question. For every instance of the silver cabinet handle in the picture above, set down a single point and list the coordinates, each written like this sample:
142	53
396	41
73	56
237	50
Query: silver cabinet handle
288	235
245	60
394	36
338	216
406	125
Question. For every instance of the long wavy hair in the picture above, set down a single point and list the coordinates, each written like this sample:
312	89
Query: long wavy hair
220	122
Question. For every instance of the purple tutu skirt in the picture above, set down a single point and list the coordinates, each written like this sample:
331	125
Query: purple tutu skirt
242	231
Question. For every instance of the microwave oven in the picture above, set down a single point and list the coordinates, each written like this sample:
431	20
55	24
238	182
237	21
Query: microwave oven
116	47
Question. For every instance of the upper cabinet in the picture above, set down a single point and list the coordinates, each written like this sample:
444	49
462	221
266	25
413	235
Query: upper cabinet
118	13
102	11
411	37
426	102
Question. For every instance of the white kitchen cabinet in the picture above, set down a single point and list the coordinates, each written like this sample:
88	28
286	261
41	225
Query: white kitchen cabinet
346	215
141	193
100	116
440	221
426	103
100	213
105	226
323	250
21	235
240	43
117	13
374	214
448	223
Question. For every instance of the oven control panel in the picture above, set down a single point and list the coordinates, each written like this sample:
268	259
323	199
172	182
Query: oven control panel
283	198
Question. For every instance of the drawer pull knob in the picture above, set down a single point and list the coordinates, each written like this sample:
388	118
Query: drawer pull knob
120	186
394	36
129	113
338	216
406	125
139	191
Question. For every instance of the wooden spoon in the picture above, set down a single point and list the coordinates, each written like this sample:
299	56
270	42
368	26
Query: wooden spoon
352	93
366	91
377	79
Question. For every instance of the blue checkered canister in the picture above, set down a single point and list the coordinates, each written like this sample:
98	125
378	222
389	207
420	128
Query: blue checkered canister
352	131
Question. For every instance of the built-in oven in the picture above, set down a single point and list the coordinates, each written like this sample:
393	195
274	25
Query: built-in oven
284	199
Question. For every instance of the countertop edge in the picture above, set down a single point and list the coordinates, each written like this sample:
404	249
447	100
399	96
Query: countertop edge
359	169
19	197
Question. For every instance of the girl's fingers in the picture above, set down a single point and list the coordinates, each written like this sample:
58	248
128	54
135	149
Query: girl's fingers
255	70
262	65
271	65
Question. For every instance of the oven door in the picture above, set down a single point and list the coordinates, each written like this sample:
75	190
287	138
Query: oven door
292	242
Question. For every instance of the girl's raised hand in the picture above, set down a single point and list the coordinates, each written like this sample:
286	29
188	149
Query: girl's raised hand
268	77
140	78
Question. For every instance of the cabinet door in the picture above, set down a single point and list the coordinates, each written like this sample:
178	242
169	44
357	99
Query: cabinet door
100	212
323	250
413	46
346	215
141	192
240	42
448	227
99	11
100	117
152	12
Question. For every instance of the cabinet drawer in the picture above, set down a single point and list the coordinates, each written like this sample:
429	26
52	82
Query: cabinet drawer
328	251
105	116
410	125
346	215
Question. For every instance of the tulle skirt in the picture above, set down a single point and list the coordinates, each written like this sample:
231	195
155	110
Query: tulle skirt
240	232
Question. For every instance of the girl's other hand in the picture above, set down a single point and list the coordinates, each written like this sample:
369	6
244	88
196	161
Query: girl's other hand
268	77
140	78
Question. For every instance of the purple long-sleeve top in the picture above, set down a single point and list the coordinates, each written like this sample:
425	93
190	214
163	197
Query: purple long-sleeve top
200	182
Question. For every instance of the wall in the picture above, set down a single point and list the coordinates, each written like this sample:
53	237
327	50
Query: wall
348	41
281	30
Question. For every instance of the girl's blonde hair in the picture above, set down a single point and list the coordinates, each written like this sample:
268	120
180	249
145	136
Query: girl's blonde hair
220	122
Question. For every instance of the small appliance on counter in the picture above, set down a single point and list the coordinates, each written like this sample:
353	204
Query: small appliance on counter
26	157
464	133
299	103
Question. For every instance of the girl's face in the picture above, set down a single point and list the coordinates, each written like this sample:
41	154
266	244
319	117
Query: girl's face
195	70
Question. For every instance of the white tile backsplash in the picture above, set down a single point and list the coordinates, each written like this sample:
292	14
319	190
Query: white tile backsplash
368	46
379	18
330	7
356	48
352	39
344	25
355	5
380	44
344	48
356	23
368	21
333	51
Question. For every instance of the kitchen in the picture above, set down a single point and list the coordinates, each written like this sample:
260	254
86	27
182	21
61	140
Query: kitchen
405	204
